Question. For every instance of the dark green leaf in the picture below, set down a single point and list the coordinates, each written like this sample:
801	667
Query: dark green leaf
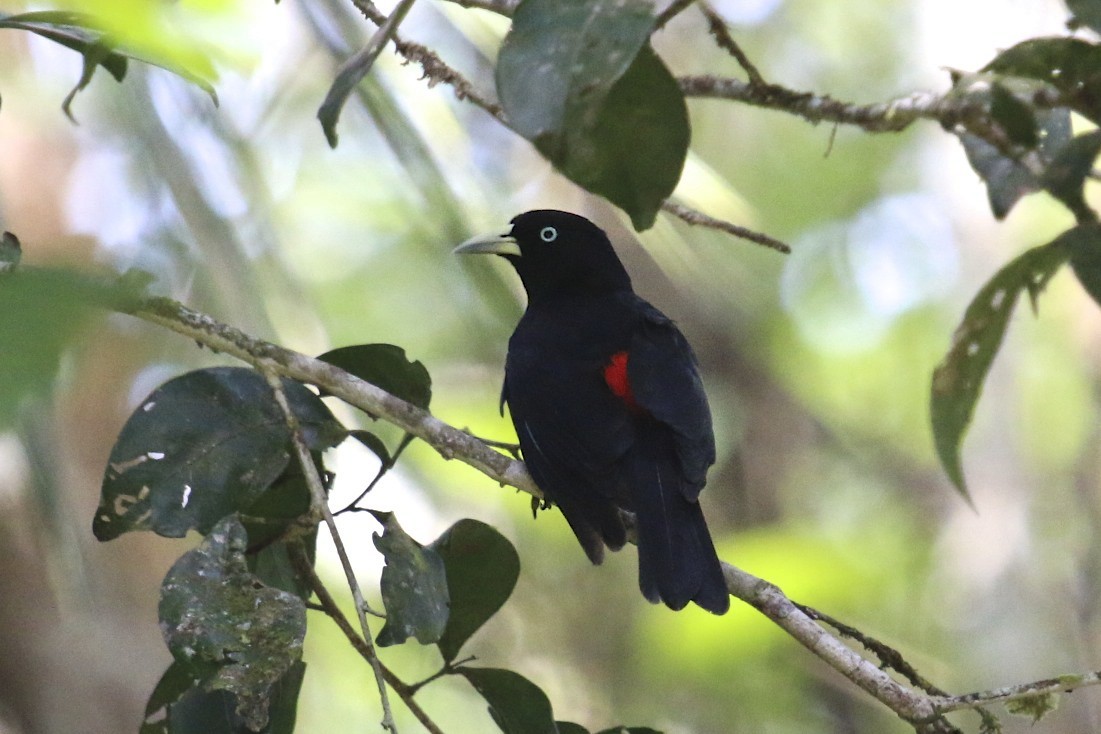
1085	260
1065	176
414	586
601	96
200	711
958	379
175	682
354	69
10	253
630	730
517	705
568	727
1087	13
1006	179
373	443
385	366
268	518
1071	65
1014	116
482	568
213	612
77	31
200	447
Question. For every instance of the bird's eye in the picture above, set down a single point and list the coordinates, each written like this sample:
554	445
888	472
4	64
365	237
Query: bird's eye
548	234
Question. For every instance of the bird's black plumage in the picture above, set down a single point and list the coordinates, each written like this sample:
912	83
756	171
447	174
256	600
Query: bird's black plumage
609	407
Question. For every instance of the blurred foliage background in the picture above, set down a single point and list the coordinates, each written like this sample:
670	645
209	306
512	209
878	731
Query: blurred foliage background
817	364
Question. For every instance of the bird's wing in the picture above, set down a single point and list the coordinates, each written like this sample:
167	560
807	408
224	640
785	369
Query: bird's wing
666	382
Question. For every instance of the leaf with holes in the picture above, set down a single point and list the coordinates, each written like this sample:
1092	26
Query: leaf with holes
482	568
603	96
224	625
958	379
517	705
414	586
201	446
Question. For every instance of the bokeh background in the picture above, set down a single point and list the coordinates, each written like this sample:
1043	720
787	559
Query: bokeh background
817	364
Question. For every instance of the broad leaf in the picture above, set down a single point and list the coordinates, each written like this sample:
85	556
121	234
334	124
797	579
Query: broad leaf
1071	65
42	313
1087	13
579	80
517	705
958	379
414	586
569	727
195	710
268	519
385	366
1065	177
201	446
215	614
482	568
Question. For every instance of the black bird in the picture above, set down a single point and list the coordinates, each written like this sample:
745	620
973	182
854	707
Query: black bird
608	405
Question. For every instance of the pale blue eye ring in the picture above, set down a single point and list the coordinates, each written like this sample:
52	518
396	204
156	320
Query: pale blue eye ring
548	234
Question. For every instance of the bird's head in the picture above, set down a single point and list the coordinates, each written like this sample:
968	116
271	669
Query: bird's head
555	253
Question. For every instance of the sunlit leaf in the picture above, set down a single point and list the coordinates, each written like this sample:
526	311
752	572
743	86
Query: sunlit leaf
517	705
200	447
603	97
482	568
413	585
958	379
214	613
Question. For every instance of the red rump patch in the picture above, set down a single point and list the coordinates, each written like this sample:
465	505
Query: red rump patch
615	375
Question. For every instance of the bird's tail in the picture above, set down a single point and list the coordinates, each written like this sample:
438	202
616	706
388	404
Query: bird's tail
677	562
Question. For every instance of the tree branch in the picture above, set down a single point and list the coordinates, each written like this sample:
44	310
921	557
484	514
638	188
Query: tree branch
924	712
320	505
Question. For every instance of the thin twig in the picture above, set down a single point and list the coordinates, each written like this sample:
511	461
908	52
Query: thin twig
1045	687
329	606
716	26
675	8
321	505
691	216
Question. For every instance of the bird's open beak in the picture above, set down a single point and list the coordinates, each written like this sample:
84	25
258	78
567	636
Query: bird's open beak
493	244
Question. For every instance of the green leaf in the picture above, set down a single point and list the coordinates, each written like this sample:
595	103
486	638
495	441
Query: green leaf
202	446
1065	177
1014	116
1071	65
517	705
569	727
1085	260
354	69
958	379
268	519
174	683
42	313
414	586
579	80
482	568
1006	179
199	711
385	366
10	252
373	443
213	612
630	730
1086	13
